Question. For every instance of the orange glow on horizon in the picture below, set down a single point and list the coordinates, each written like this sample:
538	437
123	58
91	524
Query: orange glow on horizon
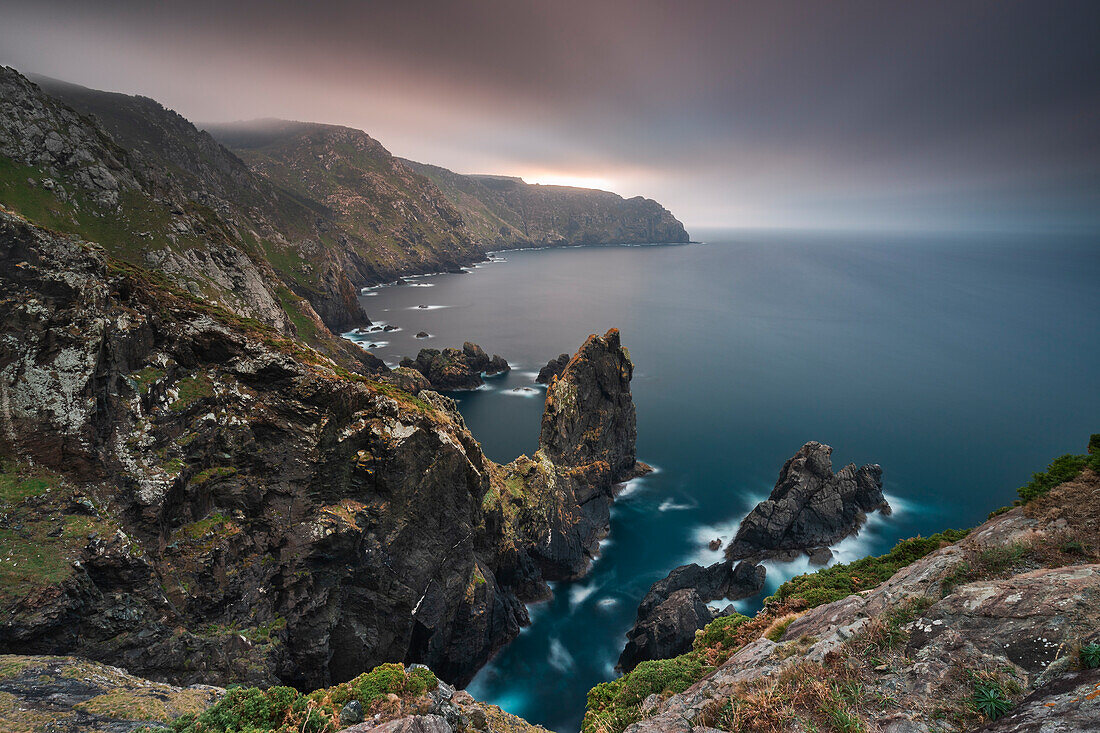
568	179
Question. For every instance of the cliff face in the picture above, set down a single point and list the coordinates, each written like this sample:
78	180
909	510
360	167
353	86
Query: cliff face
213	501
506	213
174	201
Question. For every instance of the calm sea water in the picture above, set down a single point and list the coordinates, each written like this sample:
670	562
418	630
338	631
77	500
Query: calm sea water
959	364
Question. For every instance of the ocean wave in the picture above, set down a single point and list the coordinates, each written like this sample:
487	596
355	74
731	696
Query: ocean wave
521	392
670	505
426	308
559	657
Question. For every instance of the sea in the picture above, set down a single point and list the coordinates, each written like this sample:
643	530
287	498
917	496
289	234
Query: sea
961	363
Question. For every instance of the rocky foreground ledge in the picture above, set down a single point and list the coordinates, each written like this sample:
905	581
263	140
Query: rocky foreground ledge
995	629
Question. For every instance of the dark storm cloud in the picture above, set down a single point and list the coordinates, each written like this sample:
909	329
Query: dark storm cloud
973	114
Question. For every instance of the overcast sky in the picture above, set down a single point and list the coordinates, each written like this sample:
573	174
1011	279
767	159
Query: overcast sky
813	114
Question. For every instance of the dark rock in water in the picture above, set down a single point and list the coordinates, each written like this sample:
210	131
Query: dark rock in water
422	334
668	630
497	365
820	555
372	346
422	306
452	370
553	368
586	448
662	630
810	507
714	544
599	374
389	327
375	328
352	713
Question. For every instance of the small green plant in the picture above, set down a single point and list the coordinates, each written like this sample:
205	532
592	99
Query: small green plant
990	700
1072	547
1090	655
1062	469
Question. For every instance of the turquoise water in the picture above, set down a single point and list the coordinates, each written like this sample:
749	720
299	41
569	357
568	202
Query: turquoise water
960	365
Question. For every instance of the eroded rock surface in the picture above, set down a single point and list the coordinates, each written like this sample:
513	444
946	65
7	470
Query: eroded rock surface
227	505
810	507
453	369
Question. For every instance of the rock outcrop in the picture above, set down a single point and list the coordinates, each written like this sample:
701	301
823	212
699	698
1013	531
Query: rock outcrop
452	369
675	608
210	501
557	503
70	695
553	368
1004	610
810	507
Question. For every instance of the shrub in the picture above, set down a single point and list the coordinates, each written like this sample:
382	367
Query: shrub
615	703
836	582
1090	655
1061	469
720	631
990	699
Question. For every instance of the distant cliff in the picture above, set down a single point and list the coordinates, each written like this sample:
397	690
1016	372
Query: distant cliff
506	212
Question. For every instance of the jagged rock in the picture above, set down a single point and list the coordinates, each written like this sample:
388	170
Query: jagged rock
667	630
664	629
407	379
389	327
810	507
497	365
714	544
422	334
600	440
452	370
553	368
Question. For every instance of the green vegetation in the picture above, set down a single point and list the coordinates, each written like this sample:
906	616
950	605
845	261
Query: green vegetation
990	699
191	389
209	474
285	710
144	379
836	582
1090	655
612	706
1062	469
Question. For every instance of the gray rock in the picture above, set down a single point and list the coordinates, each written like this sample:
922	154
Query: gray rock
352	713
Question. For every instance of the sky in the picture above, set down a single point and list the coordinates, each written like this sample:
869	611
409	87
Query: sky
959	115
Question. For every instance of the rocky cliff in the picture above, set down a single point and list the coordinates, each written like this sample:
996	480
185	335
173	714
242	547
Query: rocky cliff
995	629
505	212
197	497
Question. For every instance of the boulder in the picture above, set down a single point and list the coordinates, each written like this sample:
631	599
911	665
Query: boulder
668	630
810	507
553	368
661	630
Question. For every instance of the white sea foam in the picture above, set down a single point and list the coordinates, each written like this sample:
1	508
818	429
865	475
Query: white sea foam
426	308
578	594
607	605
629	488
670	505
560	658
420	285
521	392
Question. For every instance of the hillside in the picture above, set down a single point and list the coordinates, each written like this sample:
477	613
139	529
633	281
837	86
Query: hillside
506	212
399	222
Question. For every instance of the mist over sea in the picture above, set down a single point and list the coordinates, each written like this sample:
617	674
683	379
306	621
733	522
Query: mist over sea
959	363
